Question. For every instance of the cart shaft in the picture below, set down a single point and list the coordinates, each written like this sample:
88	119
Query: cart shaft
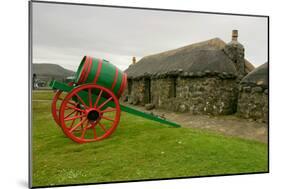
66	88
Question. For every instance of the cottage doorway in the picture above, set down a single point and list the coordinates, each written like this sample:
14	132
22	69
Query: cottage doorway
147	91
130	83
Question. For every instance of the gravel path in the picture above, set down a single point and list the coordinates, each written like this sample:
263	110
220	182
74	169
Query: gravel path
228	125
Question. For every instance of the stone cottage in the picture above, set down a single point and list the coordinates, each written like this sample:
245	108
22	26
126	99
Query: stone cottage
201	78
253	95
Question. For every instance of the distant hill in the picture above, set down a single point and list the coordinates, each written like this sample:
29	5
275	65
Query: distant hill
48	72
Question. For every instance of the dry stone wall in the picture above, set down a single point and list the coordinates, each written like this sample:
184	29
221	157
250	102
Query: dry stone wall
206	95
197	95
253	103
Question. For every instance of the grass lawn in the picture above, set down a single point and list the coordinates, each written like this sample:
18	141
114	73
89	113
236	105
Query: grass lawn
138	149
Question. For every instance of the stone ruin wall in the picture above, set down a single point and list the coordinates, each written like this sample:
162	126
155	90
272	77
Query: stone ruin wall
206	95
253	103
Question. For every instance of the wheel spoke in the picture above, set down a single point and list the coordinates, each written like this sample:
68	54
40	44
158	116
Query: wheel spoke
75	117
80	99
107	118
82	126
78	125
73	103
90	97
102	126
93	124
70	114
84	130
105	102
75	108
108	110
95	133
98	99
73	120
80	113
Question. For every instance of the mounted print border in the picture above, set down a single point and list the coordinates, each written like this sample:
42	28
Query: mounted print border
126	94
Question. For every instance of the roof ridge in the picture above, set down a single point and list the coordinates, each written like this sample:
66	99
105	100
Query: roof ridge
211	42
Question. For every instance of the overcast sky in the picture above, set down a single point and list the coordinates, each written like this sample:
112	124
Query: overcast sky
63	34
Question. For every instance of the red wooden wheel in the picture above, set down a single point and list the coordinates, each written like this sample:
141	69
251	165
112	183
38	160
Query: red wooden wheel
95	120
57	100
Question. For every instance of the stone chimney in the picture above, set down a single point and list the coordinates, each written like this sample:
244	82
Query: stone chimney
234	35
133	60
235	51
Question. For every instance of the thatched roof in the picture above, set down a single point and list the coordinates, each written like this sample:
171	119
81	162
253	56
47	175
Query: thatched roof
257	77
197	59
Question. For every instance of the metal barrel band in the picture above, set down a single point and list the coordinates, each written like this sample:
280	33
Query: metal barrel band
115	79
83	71
90	62
123	85
98	71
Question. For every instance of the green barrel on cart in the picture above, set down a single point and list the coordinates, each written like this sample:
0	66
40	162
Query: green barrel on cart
101	72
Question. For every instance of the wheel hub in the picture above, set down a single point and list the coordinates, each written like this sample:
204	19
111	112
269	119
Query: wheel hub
93	115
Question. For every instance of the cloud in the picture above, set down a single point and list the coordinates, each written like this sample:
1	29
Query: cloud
63	34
